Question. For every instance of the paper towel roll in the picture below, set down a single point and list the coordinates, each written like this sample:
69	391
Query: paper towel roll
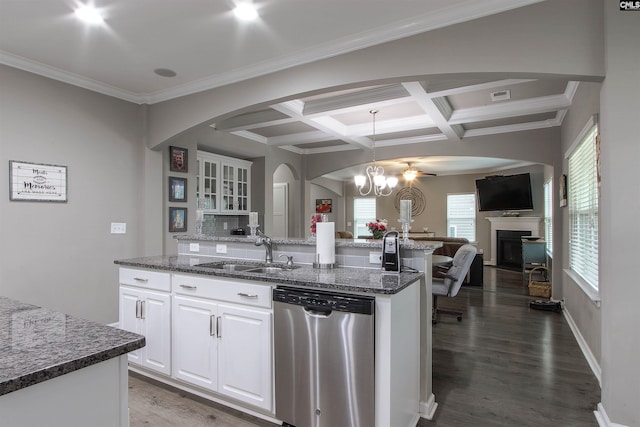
325	243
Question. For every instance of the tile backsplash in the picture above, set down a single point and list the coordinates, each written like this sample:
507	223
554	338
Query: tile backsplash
214	225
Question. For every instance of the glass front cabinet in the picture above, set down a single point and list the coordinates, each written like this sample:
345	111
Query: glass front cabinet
223	184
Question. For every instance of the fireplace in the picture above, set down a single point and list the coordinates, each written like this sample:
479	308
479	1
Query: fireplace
509	250
528	224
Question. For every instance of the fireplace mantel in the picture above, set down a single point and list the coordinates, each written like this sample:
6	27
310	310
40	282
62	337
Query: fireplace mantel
516	223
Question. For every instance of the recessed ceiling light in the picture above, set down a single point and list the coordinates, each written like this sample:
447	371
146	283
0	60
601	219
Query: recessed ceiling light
89	14
165	72
245	11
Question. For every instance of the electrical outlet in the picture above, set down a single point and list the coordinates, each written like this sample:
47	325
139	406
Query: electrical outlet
118	228
224	225
375	257
221	248
194	247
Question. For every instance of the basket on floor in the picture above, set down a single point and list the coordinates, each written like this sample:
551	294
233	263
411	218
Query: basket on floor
539	288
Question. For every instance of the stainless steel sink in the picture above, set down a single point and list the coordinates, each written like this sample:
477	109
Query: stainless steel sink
249	267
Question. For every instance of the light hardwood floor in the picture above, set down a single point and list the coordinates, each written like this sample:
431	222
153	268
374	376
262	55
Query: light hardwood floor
503	365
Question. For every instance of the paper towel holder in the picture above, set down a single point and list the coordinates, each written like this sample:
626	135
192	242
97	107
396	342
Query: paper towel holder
323	266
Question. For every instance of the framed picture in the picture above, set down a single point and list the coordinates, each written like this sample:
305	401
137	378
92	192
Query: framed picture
323	205
177	220
563	191
37	182
179	160
177	189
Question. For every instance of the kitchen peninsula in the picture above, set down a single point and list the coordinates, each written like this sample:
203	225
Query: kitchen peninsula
204	297
58	370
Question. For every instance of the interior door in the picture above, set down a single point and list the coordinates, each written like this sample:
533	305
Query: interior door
281	209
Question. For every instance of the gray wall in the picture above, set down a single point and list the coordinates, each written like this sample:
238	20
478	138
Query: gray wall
60	255
619	213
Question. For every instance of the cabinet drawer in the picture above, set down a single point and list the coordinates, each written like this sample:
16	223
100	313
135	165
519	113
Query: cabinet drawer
223	289
145	279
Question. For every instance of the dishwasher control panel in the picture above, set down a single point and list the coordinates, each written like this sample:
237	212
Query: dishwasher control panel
324	301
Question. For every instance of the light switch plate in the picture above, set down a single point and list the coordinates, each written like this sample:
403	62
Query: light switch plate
118	228
194	247
221	248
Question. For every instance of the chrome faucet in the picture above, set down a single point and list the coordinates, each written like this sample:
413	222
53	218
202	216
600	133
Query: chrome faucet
265	240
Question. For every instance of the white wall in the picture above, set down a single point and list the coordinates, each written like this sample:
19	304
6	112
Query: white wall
60	255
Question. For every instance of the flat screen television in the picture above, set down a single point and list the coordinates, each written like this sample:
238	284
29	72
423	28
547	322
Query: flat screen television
504	193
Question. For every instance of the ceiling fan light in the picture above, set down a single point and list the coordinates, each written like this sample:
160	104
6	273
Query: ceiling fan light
89	14
410	174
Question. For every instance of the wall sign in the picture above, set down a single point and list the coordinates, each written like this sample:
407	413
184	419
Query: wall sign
37	182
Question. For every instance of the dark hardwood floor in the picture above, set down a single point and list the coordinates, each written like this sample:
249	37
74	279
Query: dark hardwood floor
503	365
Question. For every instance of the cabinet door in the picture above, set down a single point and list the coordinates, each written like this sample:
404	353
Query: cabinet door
156	323
128	317
228	188
242	183
207	187
244	341
194	344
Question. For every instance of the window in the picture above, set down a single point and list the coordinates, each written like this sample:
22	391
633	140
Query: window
583	207
548	215
461	216
364	211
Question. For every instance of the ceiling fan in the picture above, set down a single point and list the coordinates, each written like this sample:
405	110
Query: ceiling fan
411	173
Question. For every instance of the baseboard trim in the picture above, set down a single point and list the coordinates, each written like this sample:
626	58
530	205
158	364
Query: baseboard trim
586	351
428	408
603	418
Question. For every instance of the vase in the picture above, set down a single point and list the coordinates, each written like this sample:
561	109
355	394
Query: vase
377	234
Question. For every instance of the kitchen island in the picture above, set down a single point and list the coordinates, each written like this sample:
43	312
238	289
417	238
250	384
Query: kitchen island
194	286
58	370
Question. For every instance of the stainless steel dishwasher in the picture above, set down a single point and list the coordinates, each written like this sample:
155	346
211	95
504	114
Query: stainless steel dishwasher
324	358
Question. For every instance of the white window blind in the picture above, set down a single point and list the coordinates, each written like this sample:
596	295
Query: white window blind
548	215
364	211
583	209
461	216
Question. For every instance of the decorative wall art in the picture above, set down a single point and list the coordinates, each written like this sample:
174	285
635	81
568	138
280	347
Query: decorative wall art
323	205
178	159
177	189
563	190
416	196
177	220
37	182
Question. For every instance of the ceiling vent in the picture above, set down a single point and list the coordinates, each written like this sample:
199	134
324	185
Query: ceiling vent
501	95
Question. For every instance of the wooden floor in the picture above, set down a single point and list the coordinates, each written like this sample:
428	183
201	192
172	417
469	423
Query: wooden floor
503	365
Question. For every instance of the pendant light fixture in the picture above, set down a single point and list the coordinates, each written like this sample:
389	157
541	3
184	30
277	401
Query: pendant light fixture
375	179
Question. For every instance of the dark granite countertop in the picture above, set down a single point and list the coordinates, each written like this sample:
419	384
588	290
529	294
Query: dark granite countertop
341	278
38	344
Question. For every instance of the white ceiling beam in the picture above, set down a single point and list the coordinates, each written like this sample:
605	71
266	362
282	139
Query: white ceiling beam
299	138
325	124
477	87
435	109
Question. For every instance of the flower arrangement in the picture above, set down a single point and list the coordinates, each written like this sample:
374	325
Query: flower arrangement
315	219
377	228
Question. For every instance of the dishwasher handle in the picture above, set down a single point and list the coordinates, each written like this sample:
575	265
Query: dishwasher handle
314	312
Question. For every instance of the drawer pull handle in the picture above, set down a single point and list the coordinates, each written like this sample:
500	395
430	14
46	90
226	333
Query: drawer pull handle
140	279
242	294
189	287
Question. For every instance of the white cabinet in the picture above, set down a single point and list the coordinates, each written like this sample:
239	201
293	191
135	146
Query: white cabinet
222	337
145	308
223	184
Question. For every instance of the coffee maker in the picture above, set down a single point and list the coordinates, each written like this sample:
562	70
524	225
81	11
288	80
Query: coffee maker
391	252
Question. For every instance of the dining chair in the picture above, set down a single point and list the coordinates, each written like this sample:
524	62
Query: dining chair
450	282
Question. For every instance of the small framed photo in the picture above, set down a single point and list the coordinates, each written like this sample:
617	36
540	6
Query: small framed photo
323	205
179	160
177	220
177	189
